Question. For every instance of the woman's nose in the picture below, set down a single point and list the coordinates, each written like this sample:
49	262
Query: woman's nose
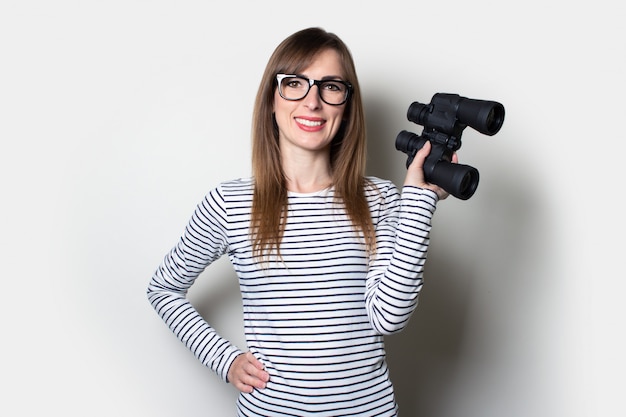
312	99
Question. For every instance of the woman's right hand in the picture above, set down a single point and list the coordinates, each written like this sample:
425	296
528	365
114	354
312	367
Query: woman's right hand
247	373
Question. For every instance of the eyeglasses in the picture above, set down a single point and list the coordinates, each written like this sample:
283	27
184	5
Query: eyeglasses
296	87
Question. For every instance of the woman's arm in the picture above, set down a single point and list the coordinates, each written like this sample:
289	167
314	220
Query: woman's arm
395	277
204	241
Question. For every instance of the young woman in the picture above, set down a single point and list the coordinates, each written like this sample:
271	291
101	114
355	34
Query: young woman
329	261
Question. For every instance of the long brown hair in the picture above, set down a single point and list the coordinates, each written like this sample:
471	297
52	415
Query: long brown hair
348	148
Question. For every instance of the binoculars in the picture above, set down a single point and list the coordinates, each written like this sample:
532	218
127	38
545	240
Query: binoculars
444	120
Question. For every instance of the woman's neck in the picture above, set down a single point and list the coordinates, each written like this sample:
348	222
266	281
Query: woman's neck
308	175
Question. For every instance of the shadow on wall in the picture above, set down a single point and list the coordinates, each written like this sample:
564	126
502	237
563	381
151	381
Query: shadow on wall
423	358
471	289
428	358
217	298
384	121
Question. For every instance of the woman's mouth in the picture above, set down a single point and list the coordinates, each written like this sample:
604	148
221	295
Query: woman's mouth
309	122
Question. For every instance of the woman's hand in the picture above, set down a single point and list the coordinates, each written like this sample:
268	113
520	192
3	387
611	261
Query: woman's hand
415	172
247	373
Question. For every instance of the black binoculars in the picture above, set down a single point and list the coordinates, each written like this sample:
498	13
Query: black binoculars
444	120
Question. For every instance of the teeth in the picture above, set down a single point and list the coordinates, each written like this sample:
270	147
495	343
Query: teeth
309	122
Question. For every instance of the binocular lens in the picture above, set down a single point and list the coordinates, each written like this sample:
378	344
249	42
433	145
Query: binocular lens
459	180
484	116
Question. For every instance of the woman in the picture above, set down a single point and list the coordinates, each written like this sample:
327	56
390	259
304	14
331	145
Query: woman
328	261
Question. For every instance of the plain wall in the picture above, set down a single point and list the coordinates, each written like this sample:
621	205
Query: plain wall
116	117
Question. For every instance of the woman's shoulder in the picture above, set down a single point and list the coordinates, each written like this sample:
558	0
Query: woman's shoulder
379	185
233	190
237	185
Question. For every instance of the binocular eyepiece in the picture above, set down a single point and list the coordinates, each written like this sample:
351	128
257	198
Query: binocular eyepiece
444	120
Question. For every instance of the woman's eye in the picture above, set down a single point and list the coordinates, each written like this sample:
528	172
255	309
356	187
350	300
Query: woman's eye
293	84
333	86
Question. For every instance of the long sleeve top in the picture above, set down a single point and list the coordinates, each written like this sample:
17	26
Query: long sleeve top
316	316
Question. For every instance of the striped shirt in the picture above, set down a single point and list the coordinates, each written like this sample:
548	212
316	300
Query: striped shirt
315	317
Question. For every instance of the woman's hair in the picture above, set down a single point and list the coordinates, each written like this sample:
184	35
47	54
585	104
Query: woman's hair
348	147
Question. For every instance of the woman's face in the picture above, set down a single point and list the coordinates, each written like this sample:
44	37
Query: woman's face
310	124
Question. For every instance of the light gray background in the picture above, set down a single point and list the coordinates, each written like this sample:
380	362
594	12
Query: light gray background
116	117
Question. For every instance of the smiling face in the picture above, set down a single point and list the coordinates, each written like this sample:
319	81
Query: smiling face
309	125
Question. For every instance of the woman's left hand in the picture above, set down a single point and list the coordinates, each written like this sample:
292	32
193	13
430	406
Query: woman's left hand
415	172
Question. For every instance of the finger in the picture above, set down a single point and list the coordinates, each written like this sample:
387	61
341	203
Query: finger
257	368
254	372
247	383
238	374
423	152
260	377
244	387
254	361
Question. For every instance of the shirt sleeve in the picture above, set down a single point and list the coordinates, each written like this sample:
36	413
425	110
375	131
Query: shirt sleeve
205	239
395	276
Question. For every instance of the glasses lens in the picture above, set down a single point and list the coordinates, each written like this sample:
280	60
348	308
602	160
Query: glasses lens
294	88
333	92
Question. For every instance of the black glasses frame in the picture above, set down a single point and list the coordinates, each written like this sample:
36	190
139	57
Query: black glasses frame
311	83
